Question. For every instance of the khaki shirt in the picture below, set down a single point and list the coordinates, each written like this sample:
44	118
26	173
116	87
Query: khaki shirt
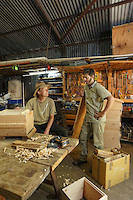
41	110
94	99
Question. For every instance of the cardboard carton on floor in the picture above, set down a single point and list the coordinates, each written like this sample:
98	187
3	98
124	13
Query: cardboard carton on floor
83	188
111	171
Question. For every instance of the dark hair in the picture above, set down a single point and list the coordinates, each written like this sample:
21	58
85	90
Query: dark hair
89	71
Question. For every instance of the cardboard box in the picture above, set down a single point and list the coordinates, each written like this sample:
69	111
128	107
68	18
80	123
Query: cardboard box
83	188
16	122
111	171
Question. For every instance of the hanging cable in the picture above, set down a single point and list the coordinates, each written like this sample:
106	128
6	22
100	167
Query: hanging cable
48	41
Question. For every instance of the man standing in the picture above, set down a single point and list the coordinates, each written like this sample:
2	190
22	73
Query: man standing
95	118
44	110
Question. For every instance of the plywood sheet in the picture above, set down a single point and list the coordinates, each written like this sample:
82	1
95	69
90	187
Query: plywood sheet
122	42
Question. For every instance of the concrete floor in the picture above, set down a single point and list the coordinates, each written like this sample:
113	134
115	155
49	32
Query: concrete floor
66	170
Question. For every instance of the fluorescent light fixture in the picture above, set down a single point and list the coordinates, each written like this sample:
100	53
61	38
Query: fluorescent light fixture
41	72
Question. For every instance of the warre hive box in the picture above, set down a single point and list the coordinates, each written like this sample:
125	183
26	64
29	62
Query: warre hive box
16	122
111	171
83	189
112	126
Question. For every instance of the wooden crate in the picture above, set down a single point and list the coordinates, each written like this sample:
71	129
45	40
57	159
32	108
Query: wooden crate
122	42
83	189
112	127
16	122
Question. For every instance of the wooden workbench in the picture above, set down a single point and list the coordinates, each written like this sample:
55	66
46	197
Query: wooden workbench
18	181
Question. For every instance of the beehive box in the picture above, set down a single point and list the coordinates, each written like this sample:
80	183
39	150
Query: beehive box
111	171
16	122
83	189
112	127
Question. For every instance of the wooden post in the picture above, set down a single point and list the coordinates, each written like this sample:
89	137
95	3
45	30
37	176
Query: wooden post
109	79
79	119
63	79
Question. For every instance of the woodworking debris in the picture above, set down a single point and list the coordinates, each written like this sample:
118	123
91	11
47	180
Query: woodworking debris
24	153
68	182
44	138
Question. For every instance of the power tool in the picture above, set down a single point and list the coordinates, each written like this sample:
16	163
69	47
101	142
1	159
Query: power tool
59	141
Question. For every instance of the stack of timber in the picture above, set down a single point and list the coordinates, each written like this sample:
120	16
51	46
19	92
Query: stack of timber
16	123
112	128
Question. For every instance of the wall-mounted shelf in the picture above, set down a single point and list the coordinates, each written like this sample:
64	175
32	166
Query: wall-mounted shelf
55	82
56	91
57	87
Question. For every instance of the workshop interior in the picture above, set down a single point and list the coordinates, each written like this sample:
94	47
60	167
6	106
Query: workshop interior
54	42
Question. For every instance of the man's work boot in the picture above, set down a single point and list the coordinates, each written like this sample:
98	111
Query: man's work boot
79	162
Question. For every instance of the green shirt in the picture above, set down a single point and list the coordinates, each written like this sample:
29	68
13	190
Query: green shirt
94	99
41	110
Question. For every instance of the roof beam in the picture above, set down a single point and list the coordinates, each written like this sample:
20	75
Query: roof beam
86	11
68	17
94	10
23	29
45	14
79	18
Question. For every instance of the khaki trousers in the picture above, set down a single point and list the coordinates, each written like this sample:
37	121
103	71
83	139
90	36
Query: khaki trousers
97	129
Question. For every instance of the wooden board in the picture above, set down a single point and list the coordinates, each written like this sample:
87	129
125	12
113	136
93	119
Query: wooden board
28	145
19	180
122	42
113	115
54	161
113	125
112	138
79	119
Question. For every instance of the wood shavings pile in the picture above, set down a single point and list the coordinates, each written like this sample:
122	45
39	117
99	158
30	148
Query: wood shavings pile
67	182
24	154
44	138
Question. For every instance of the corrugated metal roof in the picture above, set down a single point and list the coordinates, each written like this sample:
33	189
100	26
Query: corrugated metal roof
25	25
